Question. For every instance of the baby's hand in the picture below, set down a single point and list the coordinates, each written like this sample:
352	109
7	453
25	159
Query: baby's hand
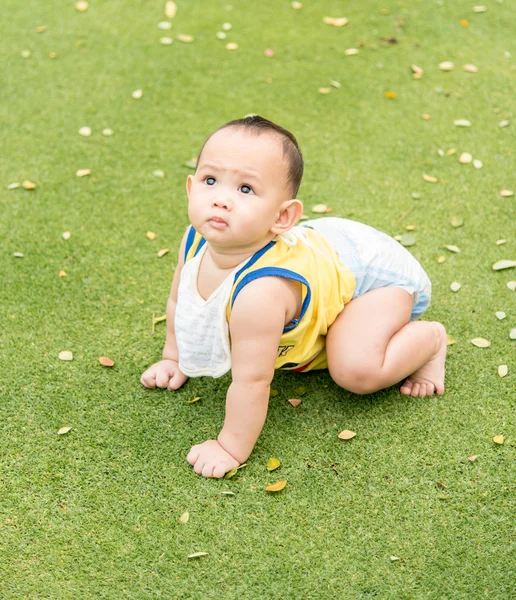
164	374
211	460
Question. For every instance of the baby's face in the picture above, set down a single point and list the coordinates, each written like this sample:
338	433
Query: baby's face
238	188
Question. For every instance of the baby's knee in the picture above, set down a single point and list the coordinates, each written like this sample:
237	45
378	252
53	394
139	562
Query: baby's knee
355	378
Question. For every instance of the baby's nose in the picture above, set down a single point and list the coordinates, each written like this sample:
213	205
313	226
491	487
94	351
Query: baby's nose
221	202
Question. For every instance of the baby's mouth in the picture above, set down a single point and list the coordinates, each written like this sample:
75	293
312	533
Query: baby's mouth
218	223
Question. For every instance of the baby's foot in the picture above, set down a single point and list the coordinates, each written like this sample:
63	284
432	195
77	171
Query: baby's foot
429	378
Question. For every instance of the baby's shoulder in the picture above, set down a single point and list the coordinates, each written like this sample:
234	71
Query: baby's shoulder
266	297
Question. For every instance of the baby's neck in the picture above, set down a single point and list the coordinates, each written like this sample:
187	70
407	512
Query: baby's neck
226	259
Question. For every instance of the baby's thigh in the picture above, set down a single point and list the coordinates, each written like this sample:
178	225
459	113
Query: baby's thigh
358	338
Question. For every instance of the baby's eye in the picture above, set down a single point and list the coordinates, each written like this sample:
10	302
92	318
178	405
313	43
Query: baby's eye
208	180
246	189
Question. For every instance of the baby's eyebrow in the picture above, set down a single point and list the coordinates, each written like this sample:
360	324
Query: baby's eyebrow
248	174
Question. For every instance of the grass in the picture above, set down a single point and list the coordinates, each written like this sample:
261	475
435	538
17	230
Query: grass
93	513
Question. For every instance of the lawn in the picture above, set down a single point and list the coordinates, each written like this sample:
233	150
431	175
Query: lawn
401	511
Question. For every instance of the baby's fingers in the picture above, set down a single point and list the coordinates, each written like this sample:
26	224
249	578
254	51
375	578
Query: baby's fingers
162	378
148	379
219	471
177	380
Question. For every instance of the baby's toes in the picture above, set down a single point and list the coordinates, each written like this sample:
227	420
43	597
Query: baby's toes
415	389
406	388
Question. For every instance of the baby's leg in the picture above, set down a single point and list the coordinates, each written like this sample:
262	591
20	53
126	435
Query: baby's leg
372	345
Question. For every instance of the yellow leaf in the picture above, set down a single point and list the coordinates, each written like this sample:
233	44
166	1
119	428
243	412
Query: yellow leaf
151	235
473	458
498	439
62	273
196	399
429	178
170	9
65	355
319	208
504	264
163	252
183	519
480	342
184	37
63	430
232	46
81	6
450	341
276	487
324	90
503	370
197	554
272	464
83	172
464	23
462	123
452	248
346	434
28	185
336	21
391	95
105	361
446	66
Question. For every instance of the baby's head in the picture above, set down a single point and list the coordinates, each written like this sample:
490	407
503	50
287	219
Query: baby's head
254	126
246	181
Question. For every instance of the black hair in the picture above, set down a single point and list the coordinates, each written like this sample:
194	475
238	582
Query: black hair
259	125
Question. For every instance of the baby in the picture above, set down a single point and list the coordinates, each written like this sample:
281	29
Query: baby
254	292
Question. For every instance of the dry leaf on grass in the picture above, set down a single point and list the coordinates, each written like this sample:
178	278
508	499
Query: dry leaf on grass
105	361
480	342
272	464
276	487
503	370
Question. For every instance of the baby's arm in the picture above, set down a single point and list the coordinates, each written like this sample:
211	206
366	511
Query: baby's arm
257	320
165	373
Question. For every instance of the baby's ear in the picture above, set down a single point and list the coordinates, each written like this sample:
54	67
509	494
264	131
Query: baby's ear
189	181
290	213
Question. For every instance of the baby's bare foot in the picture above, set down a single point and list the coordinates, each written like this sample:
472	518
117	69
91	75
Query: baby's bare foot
430	377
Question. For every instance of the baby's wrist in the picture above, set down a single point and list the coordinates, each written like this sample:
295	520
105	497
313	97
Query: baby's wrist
231	447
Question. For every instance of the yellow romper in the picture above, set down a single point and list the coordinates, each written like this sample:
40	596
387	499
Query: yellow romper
306	256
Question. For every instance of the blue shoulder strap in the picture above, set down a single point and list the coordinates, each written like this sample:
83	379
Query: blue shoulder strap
274	272
190	240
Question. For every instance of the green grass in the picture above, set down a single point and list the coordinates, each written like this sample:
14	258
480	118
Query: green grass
93	513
